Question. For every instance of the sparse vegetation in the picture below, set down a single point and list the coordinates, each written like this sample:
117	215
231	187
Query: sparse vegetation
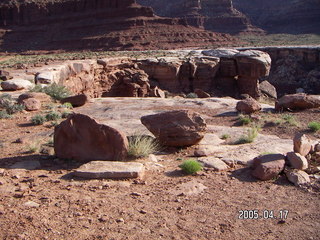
53	116
191	95
9	106
290	119
142	146
244	119
67	105
55	91
65	114
266	153
33	147
314	126
251	135
38	119
225	136
191	166
4	114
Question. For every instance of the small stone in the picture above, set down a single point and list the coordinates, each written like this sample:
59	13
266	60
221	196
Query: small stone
136	194
1	172
214	163
102	219
120	220
31	204
297	161
301	144
153	158
297	177
142	211
109	169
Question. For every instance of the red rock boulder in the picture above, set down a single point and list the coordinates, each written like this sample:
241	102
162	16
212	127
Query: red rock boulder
176	128
83	139
31	104
76	101
248	106
299	101
267	167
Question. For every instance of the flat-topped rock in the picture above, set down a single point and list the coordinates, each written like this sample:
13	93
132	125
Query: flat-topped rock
110	169
16	84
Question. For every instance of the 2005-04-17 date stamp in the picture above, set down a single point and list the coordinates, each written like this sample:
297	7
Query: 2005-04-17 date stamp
264	214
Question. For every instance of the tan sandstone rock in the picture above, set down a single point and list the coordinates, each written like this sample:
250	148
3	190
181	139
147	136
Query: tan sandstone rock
297	101
302	144
297	177
297	161
248	106
31	104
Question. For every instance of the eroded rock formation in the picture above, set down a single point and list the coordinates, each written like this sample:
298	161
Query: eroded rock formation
100	24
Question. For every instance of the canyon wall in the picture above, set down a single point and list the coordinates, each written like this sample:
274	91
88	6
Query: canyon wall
95	25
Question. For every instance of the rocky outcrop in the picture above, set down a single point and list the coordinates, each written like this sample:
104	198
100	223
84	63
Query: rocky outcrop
83	139
214	15
101	24
176	128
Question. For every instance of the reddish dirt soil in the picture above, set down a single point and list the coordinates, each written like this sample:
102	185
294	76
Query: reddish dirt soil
104	209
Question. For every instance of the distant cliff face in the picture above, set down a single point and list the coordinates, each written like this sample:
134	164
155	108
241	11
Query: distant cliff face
214	15
285	16
95	24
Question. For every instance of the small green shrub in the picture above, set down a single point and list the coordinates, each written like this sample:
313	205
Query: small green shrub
65	114
67	105
314	126
4	114
249	137
191	95
13	108
190	166
53	116
33	147
38	119
289	119
244	119
142	146
225	136
55	91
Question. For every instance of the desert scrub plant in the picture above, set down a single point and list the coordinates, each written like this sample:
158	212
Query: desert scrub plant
289	119
192	95
191	166
4	114
251	135
142	146
67	105
225	136
33	147
53	116
7	103
55	91
314	126
244	119
38	119
65	114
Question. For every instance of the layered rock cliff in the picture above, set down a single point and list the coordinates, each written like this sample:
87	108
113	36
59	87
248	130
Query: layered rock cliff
214	15
99	24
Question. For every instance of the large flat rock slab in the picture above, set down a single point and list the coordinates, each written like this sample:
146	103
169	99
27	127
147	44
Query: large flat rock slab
110	169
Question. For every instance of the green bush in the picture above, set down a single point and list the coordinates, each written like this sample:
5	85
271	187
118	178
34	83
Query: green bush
67	105
55	91
53	116
4	114
190	166
314	126
244	120
38	119
13	108
142	146
289	119
249	137
191	95
225	136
